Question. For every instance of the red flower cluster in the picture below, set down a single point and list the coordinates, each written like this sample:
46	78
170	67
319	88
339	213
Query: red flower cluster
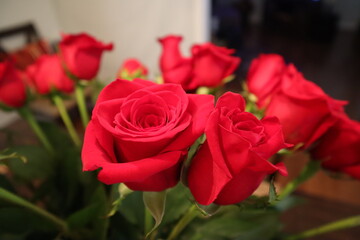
140	132
163	122
307	114
208	66
81	54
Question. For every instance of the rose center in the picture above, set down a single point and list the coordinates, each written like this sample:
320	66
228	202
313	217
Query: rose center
248	126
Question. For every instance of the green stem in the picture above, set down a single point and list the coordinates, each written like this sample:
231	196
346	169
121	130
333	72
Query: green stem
80	98
148	221
183	222
308	171
333	226
66	119
14	199
29	117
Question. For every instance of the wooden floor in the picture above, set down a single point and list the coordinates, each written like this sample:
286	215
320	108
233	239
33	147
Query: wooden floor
317	211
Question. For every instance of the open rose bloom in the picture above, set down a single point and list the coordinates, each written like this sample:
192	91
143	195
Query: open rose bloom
140	132
234	158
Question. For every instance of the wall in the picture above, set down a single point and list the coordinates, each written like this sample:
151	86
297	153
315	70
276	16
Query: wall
39	12
134	26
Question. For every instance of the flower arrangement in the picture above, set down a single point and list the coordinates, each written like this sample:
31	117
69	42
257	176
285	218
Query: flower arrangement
171	159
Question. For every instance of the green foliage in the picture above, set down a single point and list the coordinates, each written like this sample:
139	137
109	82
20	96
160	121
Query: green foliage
6	154
155	204
272	191
18	223
178	200
40	165
233	223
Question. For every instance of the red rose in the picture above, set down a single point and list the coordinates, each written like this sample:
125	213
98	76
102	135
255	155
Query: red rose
339	148
47	74
208	66
12	86
212	64
140	133
174	67
304	110
81	54
131	69
264	76
233	161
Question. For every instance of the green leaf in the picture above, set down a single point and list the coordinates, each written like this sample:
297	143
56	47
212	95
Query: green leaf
123	191
272	191
82	217
57	136
254	203
100	222
233	223
177	203
40	164
155	203
14	220
132	208
5	154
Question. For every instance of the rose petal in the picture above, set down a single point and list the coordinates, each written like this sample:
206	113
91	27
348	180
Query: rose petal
274	138
119	89
97	148
231	100
240	187
199	108
353	171
138	171
205	177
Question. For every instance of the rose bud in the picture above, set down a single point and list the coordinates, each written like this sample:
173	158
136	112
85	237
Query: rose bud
140	133
12	86
264	76
339	147
174	67
233	161
81	54
208	66
131	69
212	64
304	110
47	74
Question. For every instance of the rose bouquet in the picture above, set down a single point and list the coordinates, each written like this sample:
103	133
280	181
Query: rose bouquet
171	159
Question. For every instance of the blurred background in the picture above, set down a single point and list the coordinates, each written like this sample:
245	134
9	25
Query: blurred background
321	37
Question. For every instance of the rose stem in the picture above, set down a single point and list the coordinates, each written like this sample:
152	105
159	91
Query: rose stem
14	199
29	117
308	171
329	227
183	222
80	98
66	119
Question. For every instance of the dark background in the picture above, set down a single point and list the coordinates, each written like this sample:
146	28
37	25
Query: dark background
309	33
